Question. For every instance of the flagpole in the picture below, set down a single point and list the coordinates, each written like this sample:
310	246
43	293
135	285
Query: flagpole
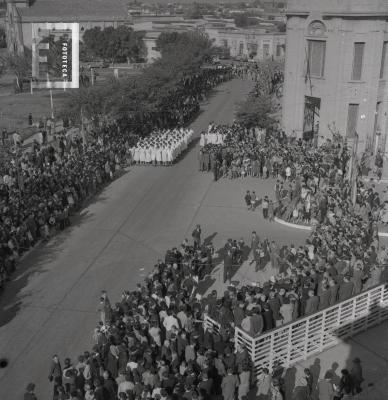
51	98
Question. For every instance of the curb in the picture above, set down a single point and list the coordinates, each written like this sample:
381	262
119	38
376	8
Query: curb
308	228
291	225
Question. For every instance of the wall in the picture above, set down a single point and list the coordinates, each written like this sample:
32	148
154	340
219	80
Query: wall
249	38
336	89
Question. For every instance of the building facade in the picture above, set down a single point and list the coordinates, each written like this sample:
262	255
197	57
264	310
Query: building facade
336	70
253	44
23	14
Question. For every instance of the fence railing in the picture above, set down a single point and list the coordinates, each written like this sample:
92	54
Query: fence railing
310	335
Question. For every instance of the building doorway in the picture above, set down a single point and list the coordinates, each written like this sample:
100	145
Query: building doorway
312	107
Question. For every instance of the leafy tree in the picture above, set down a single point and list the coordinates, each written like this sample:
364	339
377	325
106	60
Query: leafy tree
192	45
19	64
158	92
114	44
256	112
92	42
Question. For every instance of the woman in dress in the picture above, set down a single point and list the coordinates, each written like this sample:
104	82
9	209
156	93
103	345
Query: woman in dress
148	155
136	155
142	155
158	155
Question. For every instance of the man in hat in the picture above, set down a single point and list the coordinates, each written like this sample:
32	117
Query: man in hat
356	374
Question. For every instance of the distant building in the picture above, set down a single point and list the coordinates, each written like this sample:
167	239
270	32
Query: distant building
22	14
254	44
336	69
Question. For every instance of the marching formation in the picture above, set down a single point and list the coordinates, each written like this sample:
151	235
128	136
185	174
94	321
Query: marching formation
162	147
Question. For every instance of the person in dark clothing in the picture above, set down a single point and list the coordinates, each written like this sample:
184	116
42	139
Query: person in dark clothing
248	199
29	394
268	318
346	289
196	235
346	382
55	374
356	375
110	386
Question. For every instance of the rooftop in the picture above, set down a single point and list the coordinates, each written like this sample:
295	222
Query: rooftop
75	10
337	7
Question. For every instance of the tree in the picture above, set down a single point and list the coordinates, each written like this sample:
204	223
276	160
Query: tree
154	96
256	112
114	44
192	45
19	64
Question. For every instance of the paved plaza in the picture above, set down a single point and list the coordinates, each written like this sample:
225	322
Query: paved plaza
51	305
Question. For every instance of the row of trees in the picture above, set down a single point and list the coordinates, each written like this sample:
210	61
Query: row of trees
162	88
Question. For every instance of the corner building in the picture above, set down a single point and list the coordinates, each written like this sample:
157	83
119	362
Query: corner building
336	70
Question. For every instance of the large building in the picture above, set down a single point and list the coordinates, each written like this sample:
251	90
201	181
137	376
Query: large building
254	44
336	69
23	14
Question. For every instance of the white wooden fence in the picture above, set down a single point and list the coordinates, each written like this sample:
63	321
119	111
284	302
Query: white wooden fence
310	335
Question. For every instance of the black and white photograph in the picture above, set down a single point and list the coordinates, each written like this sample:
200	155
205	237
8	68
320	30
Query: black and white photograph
193	199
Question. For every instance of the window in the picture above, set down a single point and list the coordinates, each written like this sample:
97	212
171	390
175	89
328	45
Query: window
317	28
278	50
224	43
383	60
352	120
241	50
358	56
266	50
252	48
316	58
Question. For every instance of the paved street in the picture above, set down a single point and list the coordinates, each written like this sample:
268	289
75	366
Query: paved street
51	305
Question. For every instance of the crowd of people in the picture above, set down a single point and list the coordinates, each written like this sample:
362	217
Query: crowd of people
153	344
162	147
40	189
267	75
342	256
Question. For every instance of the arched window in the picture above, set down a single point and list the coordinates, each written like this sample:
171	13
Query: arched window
317	28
